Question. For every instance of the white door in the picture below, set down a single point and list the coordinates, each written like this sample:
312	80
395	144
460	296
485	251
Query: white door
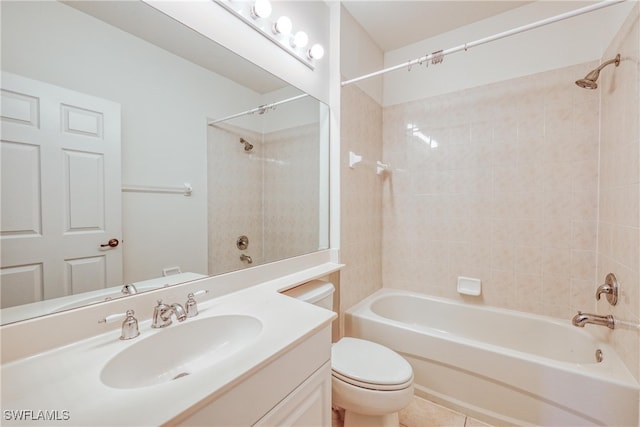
60	192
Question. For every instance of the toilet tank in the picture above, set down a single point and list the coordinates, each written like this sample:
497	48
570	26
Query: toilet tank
316	292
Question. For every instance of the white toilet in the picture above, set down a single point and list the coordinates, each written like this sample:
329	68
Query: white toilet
370	382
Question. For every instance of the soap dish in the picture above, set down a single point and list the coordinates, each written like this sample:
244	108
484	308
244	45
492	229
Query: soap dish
469	286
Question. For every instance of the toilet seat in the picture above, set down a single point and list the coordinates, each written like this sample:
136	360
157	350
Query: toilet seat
372	386
369	365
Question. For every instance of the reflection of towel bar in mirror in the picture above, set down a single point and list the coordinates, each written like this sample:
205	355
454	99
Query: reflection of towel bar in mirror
185	190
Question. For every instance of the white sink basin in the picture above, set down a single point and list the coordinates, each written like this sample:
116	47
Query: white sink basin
179	350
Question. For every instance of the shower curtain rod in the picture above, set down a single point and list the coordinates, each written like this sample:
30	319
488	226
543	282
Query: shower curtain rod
260	109
437	56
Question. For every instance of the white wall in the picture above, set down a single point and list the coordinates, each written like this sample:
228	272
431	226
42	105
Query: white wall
360	55
576	40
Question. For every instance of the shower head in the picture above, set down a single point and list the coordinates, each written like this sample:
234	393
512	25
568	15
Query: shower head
247	145
589	81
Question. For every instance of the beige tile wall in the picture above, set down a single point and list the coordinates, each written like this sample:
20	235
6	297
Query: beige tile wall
500	183
235	197
510	186
270	194
361	201
292	192
619	221
516	184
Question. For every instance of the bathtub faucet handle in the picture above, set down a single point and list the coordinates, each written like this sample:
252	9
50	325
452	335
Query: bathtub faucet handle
610	289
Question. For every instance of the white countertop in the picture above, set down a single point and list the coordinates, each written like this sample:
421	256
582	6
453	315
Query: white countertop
68	378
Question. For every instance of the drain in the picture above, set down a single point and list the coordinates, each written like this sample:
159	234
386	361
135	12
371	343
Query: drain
599	356
180	375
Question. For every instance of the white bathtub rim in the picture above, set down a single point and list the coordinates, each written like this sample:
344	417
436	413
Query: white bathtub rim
503	367
612	363
615	371
507	370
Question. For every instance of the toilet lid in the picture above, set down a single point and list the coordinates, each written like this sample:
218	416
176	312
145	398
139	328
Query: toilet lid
362	363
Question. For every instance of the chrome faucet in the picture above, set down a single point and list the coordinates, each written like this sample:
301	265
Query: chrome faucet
162	314
582	319
246	258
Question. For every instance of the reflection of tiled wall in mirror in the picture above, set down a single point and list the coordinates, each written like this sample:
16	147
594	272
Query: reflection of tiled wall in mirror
291	189
270	194
234	182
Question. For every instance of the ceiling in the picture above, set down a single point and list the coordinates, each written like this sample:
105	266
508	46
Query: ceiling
396	23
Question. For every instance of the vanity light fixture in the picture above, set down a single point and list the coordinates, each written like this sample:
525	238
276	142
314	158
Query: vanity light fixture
255	13
283	26
316	51
300	39
261	9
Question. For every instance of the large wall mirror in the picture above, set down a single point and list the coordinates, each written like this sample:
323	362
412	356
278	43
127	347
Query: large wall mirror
136	151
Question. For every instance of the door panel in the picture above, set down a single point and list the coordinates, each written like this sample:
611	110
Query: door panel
84	186
22	284
85	274
21	205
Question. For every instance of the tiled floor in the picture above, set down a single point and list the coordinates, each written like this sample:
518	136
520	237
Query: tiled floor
423	413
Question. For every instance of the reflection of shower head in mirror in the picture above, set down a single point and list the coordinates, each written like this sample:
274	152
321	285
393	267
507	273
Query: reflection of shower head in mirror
247	145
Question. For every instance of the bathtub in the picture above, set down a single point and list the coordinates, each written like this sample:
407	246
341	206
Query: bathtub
500	366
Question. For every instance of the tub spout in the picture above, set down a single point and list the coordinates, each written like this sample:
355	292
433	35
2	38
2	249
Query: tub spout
582	319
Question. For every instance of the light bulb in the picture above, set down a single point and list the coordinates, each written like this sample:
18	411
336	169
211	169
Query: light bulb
261	9
316	51
282	26
300	39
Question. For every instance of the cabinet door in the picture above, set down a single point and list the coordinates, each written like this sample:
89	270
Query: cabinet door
308	405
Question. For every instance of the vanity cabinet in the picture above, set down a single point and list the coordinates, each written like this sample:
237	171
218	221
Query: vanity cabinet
306	405
293	389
